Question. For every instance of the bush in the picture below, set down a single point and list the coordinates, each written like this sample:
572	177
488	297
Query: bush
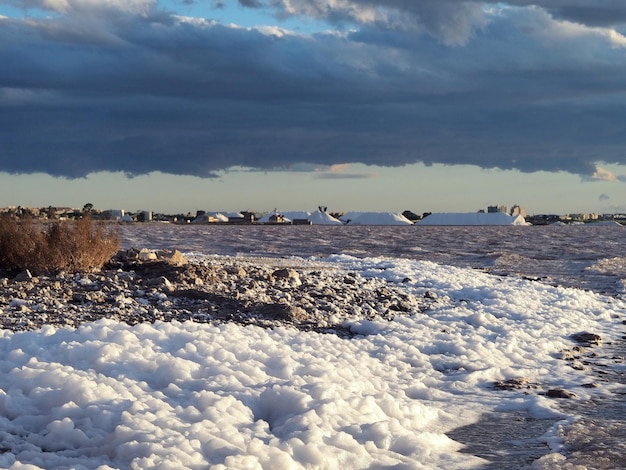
49	248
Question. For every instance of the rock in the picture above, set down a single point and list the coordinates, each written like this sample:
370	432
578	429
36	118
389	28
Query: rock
80	297
285	273
590	385
288	275
147	255
161	281
236	271
172	257
402	306
280	311
586	338
383	293
516	383
24	276
20	305
560	393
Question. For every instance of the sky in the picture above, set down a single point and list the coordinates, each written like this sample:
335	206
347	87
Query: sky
432	105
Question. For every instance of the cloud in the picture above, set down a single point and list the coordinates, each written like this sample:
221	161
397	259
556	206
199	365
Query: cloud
587	12
137	89
251	3
339	168
603	175
341	171
142	7
345	176
453	22
603	197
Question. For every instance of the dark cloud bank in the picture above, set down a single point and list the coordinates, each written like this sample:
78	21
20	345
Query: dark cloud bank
134	88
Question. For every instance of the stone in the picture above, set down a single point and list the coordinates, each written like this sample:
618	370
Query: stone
236	271
147	255
280	311
590	385
584	337
285	273
560	393
80	297
516	383
401	306
172	257
24	276
160	281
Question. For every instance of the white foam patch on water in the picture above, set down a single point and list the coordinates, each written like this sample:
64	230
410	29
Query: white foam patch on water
186	395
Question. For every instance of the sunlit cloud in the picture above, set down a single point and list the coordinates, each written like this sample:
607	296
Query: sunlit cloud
341	171
339	168
603	175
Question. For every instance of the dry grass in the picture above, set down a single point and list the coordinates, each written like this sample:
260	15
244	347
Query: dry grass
70	246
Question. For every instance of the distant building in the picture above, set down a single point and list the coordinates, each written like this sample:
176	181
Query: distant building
144	216
249	217
496	209
583	217
113	214
204	218
518	210
277	219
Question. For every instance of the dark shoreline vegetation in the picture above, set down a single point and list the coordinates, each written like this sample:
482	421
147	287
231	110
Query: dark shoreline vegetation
80	245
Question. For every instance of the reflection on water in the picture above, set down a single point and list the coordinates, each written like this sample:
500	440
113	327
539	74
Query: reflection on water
507	441
598	440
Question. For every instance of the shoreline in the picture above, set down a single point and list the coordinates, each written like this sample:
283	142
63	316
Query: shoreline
145	286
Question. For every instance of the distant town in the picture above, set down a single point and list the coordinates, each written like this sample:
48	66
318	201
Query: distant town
275	216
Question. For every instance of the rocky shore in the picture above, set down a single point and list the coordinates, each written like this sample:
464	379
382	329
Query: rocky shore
146	286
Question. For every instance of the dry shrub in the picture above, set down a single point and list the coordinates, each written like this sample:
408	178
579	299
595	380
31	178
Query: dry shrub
49	248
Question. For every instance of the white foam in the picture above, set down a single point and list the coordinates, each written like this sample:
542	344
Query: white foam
186	395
